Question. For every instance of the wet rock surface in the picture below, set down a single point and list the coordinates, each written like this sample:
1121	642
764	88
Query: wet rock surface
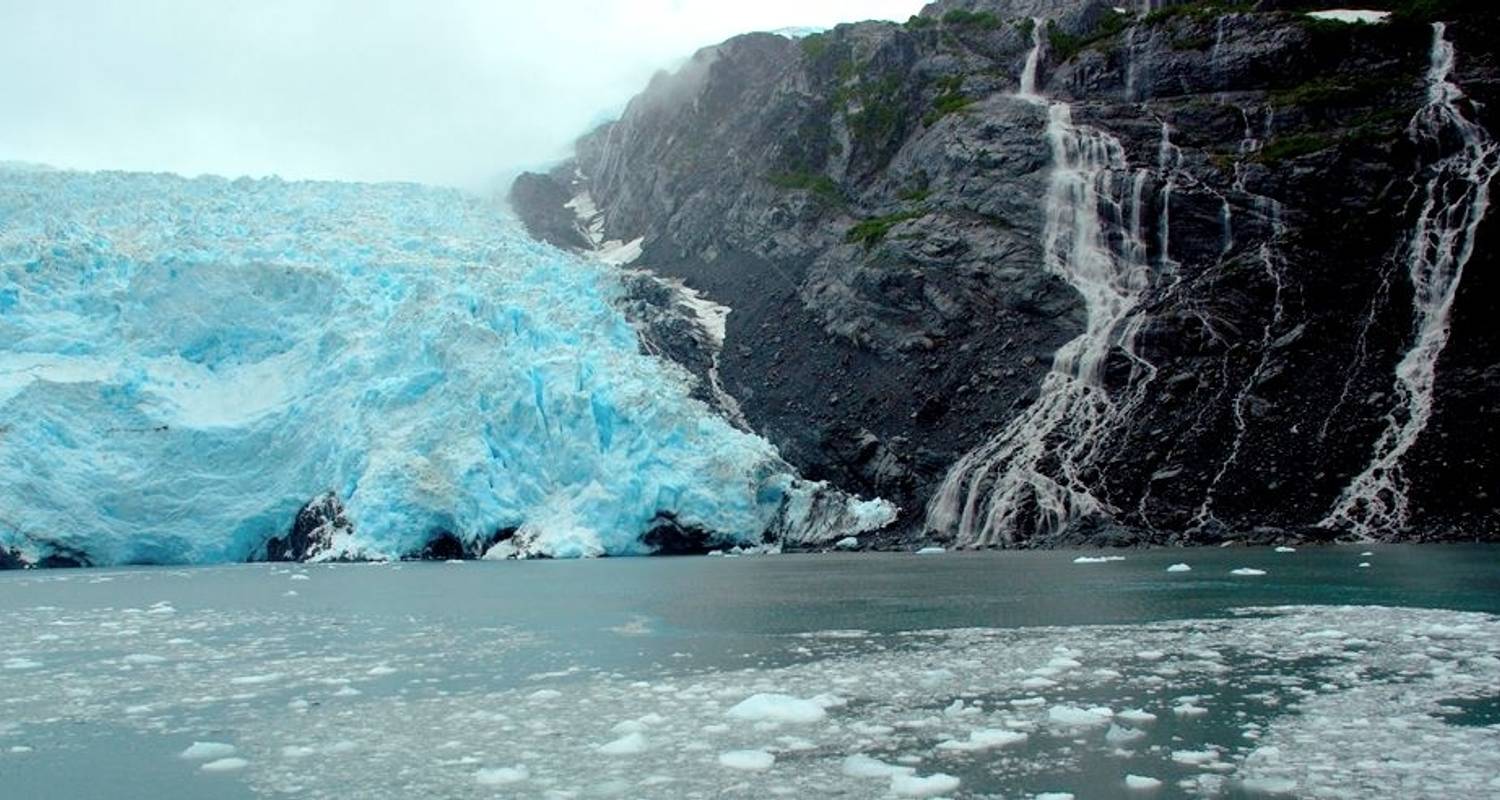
871	203
312	532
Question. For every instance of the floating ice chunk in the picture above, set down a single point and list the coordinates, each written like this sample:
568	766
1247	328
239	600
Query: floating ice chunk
1364	565
931	551
1136	716
860	765
1269	785
795	744
628	726
1286	549
627	745
1195	758
204	751
747	760
225	765
1180	568
501	776
1151	655
828	700
1075	717
919	786
296	751
142	659
20	663
543	695
1186	709
1038	682
1141	783
984	739
1122	736
1247	571
256	680
847	543
380	670
1054	796
1097	559
1353	16
300	577
767	707
933	678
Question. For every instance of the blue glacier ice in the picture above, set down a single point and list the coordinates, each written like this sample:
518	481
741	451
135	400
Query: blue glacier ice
186	363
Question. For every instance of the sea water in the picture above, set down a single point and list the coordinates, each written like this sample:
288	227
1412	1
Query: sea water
1338	671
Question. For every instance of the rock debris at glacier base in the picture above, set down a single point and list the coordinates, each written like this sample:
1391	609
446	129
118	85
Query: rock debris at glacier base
187	363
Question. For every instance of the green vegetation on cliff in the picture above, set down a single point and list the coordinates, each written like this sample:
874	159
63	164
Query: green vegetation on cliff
872	231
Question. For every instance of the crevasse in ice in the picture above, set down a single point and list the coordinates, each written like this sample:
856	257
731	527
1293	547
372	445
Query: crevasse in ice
185	363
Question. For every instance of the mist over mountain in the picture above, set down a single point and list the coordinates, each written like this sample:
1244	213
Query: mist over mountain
462	93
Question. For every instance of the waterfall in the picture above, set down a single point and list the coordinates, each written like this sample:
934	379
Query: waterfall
1454	194
1271	262
1031	476
1028	73
1168	162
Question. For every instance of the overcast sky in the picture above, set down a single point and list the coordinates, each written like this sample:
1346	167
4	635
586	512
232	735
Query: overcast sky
454	92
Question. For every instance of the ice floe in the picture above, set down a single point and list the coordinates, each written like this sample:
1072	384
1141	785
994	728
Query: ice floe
207	751
747	760
1305	702
773	707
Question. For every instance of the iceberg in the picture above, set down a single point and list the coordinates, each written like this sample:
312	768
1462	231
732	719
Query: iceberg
187	364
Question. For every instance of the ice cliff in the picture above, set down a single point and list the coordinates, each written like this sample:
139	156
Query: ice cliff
185	365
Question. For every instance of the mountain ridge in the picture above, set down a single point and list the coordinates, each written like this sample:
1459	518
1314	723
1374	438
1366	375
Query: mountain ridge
870	203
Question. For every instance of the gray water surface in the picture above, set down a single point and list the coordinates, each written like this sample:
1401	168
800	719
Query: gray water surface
1011	674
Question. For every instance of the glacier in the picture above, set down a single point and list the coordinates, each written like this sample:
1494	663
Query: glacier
186	363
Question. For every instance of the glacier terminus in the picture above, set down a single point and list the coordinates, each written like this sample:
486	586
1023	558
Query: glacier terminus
187	364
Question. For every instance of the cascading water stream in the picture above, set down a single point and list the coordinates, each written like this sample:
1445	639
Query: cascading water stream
1271	262
1454	199
1033	58
1031	475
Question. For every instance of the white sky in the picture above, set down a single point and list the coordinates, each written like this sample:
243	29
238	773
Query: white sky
455	92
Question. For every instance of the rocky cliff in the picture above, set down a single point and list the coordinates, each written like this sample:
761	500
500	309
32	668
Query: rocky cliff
1052	271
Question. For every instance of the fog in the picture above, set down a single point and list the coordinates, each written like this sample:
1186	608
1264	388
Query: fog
454	92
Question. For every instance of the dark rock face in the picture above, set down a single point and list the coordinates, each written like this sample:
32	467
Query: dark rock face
669	537
446	546
63	558
873	204
312	532
539	201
